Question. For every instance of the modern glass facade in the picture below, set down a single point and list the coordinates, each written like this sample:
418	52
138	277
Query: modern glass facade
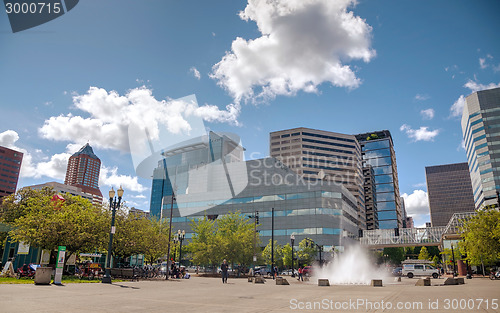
187	167
449	190
322	211
481	131
378	152
370	198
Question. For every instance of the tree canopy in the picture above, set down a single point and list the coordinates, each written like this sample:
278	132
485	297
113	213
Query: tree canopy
481	237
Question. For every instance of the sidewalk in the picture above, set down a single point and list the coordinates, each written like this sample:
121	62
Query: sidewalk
200	294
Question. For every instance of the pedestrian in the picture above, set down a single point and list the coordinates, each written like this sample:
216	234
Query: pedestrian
300	274
224	267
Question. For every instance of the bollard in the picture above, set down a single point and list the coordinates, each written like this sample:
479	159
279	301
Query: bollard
323	282
423	282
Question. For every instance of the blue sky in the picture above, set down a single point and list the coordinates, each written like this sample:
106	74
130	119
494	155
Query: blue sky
332	65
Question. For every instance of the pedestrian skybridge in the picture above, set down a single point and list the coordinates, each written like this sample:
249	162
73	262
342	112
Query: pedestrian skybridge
412	237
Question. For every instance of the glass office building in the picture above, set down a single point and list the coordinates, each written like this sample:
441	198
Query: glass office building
187	166
377	149
208	178
481	131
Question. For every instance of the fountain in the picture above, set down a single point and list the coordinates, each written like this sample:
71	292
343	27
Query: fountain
351	267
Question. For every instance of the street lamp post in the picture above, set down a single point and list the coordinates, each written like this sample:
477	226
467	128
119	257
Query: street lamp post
113	205
180	236
292	239
170	231
453	257
175	245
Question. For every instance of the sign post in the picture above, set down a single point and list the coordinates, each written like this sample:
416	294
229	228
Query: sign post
61	255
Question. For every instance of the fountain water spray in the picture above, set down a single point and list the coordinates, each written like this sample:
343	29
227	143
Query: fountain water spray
351	267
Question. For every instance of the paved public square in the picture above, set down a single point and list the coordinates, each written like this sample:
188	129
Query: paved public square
200	294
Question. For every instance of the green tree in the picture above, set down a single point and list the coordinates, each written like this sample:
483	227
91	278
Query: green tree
203	245
154	240
278	254
22	202
396	255
234	237
306	253
436	261
74	223
424	255
287	255
481	237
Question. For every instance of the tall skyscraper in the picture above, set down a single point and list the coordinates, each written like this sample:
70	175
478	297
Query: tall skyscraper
10	166
83	172
449	190
323	155
481	130
377	149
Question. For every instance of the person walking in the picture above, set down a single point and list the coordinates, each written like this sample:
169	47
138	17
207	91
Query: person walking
300	274
224	267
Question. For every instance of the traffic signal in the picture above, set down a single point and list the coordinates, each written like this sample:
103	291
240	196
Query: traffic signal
257	218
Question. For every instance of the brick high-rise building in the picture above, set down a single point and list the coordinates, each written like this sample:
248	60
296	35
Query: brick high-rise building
449	190
10	166
83	172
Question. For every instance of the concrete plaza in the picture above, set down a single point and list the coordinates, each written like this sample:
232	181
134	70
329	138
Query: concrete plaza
200	294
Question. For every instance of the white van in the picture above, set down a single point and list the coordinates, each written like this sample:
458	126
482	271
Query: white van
420	269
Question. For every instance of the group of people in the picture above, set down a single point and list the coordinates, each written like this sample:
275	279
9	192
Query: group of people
225	268
178	272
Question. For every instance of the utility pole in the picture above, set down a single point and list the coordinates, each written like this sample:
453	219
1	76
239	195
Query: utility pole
272	242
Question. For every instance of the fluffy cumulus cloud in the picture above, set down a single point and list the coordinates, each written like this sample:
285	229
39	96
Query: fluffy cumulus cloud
110	114
421	134
195	73
302	44
458	106
110	177
416	203
54	167
427	114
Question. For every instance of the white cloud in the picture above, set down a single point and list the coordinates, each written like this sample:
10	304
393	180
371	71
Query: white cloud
417	203
421	134
420	185
427	114
195	72
302	45
475	86
421	97
55	167
482	63
110	177
458	107
110	114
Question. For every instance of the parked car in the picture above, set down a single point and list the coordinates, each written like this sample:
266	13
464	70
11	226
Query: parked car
397	271
289	272
262	270
307	270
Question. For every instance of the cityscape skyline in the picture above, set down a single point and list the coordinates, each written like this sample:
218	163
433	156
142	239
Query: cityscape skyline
408	71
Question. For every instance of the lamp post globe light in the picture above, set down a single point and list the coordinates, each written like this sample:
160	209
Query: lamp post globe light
292	239
113	205
180	235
